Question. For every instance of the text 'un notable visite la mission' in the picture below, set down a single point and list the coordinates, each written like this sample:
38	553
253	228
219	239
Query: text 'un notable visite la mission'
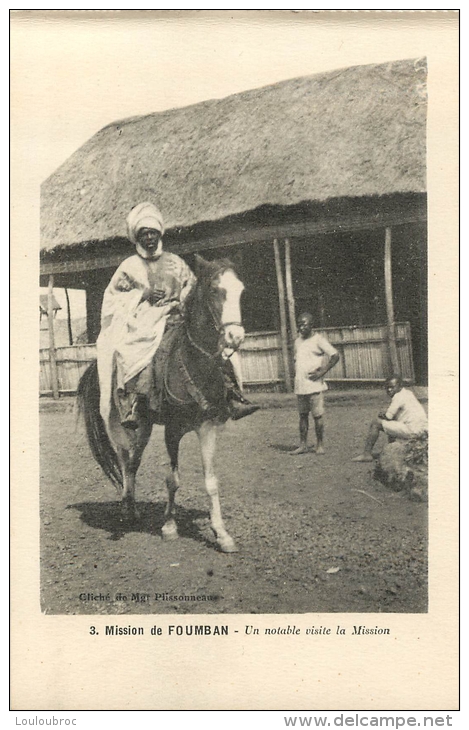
249	630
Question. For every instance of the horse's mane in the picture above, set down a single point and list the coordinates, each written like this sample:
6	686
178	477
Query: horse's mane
208	269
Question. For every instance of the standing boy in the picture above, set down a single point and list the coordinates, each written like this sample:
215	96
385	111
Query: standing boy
314	357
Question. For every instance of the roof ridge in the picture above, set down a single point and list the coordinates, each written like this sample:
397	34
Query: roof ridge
320	76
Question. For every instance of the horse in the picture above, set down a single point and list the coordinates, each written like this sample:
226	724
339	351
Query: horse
211	326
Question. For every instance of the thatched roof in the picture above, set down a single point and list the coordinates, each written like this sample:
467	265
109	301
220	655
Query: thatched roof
349	133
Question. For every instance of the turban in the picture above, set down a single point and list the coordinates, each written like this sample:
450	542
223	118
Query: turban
144	215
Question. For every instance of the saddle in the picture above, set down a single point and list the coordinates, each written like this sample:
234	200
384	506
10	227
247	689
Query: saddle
183	377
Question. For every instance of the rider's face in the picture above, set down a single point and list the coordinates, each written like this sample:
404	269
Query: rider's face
149	239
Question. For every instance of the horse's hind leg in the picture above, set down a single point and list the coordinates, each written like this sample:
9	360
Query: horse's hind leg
130	462
207	434
172	435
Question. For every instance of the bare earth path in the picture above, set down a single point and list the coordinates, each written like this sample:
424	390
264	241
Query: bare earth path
293	518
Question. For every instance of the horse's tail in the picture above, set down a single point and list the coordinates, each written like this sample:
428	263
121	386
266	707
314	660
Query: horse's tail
88	405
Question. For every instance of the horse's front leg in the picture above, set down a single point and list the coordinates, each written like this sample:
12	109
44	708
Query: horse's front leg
172	437
207	434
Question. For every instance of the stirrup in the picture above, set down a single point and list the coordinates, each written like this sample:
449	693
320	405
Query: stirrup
130	422
130	419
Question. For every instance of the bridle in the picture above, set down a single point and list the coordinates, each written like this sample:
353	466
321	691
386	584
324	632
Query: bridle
220	327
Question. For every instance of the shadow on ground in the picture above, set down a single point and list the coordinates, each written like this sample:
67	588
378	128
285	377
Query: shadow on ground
108	516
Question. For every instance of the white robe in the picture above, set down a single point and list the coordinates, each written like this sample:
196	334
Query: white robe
132	327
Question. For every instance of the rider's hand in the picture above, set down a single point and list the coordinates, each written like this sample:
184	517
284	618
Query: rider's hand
156	297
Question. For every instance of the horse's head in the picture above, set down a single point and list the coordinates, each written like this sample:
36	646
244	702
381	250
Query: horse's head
220	289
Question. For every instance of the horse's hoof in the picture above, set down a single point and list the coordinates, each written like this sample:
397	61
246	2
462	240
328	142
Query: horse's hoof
169	532
130	513
227	545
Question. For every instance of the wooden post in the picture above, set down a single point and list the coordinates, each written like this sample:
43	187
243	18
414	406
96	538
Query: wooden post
289	287
283	317
69	319
291	306
389	303
52	353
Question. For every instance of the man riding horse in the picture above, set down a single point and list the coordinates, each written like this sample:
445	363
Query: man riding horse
145	295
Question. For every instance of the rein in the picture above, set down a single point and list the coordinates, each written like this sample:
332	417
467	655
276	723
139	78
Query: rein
192	342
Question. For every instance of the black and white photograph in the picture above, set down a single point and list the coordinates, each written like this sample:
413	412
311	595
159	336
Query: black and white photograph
233	385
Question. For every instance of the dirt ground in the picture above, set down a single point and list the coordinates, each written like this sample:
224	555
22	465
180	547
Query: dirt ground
315	533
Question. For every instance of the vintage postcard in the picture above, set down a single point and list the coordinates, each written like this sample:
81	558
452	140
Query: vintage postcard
234	438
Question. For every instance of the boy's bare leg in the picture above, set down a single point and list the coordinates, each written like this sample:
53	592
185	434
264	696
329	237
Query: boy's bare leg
371	439
319	428
304	427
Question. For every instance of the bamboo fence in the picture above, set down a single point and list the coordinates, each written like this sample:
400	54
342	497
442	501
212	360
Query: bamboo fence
364	357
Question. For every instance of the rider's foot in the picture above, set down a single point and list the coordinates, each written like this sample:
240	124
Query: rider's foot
238	405
240	409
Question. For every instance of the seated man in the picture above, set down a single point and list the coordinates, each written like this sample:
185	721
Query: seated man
405	418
